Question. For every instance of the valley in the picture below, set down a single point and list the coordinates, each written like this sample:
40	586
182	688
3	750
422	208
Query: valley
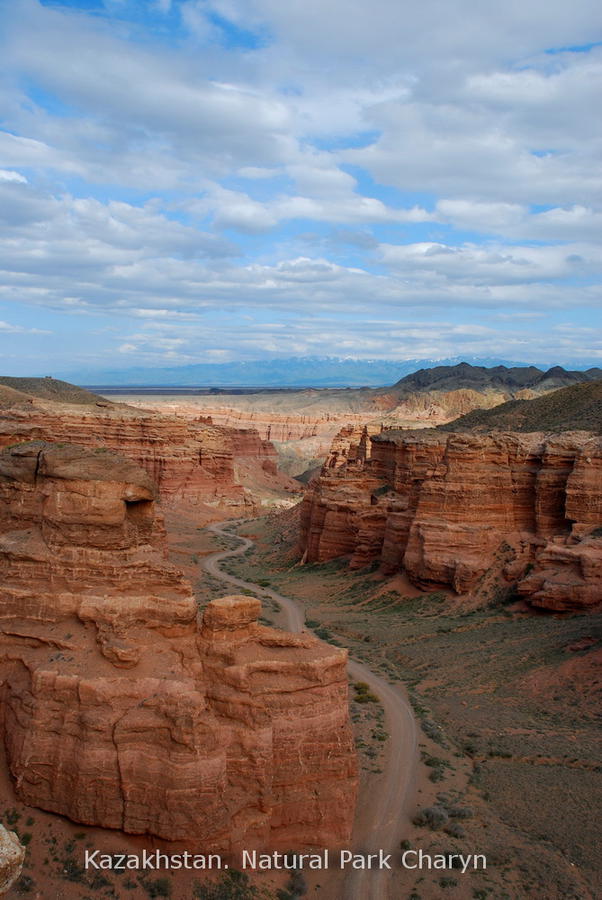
506	706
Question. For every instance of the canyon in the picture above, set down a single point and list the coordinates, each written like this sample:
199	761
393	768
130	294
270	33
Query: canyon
122	706
501	513
302	424
140	702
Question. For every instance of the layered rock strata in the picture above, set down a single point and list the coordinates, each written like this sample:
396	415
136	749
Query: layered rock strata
306	425
119	709
447	507
192	462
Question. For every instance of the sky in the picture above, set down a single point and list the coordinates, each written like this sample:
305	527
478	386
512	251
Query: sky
189	181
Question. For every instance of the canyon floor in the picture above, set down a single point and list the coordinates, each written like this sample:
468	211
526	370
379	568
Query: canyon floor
506	702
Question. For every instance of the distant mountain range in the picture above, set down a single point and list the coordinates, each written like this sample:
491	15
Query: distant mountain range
299	372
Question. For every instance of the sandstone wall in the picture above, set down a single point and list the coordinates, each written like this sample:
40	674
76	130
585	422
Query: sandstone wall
119	709
191	462
445	507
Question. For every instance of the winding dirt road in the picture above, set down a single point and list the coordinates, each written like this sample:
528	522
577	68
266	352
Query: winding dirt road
382	806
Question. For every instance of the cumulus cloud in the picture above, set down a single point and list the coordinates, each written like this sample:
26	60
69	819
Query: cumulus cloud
495	265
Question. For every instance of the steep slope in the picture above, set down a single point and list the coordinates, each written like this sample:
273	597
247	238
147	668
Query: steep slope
52	389
119	710
569	408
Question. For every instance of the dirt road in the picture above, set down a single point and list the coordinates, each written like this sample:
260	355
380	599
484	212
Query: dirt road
383	804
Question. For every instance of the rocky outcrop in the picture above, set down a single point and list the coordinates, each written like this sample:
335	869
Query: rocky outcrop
12	854
270	425
567	574
192	462
448	507
351	444
79	536
119	709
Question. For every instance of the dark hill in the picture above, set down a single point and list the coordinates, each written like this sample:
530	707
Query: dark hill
578	407
479	378
52	389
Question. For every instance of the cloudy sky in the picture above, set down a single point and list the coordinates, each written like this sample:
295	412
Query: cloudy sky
208	180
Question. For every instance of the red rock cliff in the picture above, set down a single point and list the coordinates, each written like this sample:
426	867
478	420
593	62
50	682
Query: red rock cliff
449	507
118	710
192	462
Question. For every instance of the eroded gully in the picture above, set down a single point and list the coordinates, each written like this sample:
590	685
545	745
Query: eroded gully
383	804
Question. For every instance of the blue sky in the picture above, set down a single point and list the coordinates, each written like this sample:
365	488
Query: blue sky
215	180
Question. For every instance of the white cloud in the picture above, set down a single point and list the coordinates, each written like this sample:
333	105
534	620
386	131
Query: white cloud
495	264
488	217
383	34
513	220
381	337
7	175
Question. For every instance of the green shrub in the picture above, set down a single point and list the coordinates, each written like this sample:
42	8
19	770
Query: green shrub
25	885
460	812
433	817
454	829
160	887
234	885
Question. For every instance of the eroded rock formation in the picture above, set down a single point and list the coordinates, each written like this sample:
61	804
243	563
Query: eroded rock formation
119	709
447	508
192	462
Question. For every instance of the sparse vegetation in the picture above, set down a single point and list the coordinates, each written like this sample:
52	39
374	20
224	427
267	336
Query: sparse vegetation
25	885
296	887
363	694
460	812
233	885
433	817
465	669
454	829
159	887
